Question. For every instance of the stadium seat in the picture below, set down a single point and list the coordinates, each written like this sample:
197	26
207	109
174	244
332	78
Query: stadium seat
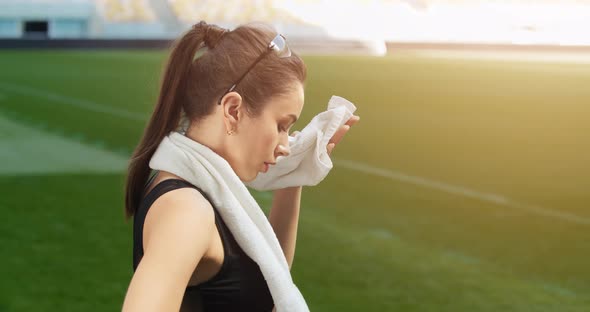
126	10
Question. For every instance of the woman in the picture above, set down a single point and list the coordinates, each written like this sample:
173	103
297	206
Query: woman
241	96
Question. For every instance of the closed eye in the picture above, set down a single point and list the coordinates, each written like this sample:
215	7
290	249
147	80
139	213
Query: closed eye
283	128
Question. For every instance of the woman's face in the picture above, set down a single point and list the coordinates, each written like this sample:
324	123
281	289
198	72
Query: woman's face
263	138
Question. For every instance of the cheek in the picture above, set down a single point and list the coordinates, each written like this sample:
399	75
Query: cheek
267	138
259	144
270	138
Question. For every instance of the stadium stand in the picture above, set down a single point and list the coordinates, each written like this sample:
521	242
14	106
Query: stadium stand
125	10
232	11
165	20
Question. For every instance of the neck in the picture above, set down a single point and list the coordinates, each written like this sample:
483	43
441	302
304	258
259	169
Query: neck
209	132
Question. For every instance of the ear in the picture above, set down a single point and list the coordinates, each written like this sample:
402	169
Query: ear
232	105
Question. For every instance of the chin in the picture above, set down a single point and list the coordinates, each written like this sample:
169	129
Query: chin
249	178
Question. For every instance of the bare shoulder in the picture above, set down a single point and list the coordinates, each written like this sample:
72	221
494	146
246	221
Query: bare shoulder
183	213
177	234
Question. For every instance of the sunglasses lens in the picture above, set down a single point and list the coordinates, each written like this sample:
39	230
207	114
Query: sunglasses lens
279	44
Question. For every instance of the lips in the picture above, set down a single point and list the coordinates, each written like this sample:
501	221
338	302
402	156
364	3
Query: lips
267	165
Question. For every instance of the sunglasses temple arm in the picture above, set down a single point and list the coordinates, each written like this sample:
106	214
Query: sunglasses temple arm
245	73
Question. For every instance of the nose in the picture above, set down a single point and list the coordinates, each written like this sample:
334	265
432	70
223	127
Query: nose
282	150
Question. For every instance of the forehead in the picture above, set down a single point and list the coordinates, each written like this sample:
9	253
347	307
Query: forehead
289	103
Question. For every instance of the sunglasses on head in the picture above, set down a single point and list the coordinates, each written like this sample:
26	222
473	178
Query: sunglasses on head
278	45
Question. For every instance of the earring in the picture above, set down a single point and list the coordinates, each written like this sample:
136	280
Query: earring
230	132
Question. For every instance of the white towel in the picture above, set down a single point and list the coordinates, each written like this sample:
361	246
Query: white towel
308	162
205	169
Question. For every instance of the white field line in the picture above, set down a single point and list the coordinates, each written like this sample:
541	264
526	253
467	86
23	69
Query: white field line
460	190
530	57
79	103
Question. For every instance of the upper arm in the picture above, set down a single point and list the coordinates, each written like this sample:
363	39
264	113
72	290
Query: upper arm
181	223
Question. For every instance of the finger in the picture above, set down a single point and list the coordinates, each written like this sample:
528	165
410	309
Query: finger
353	120
339	134
337	137
330	148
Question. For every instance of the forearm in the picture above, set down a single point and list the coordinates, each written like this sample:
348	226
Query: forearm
284	217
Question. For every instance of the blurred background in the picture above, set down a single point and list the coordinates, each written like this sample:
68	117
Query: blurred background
465	186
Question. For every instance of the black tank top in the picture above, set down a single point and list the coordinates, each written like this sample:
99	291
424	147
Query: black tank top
238	286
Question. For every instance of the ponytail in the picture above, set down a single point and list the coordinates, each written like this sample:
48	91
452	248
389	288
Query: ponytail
166	115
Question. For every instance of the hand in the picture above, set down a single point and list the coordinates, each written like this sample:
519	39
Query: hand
341	132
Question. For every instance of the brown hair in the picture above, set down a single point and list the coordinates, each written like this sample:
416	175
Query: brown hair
194	85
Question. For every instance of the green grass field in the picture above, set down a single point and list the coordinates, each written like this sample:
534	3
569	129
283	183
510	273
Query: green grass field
465	187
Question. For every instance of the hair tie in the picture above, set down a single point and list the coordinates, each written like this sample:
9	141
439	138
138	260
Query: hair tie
213	34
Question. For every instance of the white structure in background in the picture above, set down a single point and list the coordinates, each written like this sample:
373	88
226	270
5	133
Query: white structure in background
77	19
296	19
127	19
45	19
547	22
166	19
321	26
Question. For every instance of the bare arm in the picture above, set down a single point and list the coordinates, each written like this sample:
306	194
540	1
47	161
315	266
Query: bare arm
181	224
284	213
284	218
